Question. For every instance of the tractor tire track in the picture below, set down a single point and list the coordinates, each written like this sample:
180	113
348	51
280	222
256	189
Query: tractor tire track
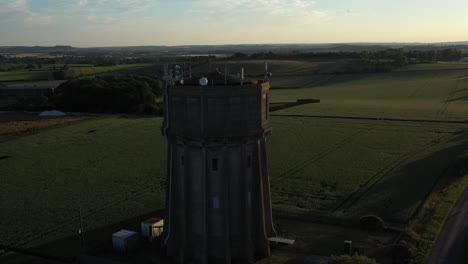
448	100
297	168
357	195
38	234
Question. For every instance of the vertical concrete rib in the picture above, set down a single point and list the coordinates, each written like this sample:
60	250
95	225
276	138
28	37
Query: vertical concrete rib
183	205
226	198
204	211
262	238
270	229
247	212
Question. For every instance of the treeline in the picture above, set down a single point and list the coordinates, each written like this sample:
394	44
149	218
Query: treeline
4	67
110	94
388	54
18	63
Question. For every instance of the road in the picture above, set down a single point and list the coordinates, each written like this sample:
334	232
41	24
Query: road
449	246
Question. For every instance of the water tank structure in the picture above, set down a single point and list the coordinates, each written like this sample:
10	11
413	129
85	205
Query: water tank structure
218	195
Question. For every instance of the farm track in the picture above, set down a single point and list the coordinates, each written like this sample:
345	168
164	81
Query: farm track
383	127
448	100
327	198
377	119
354	197
38	234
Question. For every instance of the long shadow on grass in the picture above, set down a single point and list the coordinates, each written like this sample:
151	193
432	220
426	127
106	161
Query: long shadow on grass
399	195
97	242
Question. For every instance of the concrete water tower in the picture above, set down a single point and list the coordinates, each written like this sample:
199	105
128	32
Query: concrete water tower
218	193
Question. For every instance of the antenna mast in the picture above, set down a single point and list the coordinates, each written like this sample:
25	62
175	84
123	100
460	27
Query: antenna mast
242	76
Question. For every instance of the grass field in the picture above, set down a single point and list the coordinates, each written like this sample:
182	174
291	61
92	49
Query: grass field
113	174
439	95
379	157
45	74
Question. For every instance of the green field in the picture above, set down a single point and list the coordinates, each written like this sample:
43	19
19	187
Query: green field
45	74
375	144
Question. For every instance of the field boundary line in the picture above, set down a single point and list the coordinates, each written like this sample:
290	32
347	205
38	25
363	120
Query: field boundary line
377	119
40	130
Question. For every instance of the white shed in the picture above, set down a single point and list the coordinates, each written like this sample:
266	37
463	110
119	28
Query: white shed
152	228
125	240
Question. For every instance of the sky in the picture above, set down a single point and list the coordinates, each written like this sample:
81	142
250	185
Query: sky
91	23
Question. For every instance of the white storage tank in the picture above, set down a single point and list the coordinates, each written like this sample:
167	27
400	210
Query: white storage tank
152	228
125	240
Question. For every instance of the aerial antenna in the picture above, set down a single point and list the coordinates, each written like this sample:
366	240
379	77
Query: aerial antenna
267	74
209	60
183	72
242	76
177	72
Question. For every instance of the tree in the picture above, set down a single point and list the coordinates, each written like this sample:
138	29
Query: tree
354	259
239	55
109	94
400	61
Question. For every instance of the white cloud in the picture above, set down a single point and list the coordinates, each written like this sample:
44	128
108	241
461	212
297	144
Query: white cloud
82	3
349	12
298	10
16	10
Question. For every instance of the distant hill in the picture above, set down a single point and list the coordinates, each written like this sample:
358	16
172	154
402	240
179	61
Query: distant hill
229	49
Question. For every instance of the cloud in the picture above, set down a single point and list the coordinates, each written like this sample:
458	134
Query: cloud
297	10
349	12
17	10
124	6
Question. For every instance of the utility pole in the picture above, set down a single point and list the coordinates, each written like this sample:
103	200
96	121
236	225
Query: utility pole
81	232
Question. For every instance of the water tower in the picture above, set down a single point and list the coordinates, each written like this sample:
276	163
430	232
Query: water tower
218	193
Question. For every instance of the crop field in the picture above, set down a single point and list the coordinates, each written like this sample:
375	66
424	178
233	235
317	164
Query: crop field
112	168
428	95
375	144
355	167
45	74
